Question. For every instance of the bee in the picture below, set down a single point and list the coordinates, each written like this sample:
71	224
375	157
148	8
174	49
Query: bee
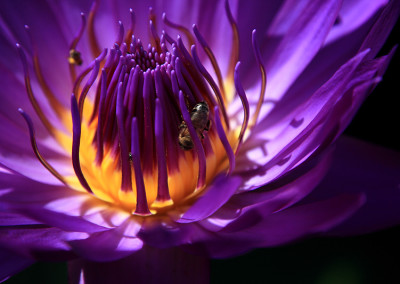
200	121
75	57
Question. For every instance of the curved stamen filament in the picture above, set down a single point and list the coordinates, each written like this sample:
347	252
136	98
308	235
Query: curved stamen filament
210	80
55	104
31	96
235	41
131	26
180	28
72	49
245	103
76	141
93	42
100	120
87	86
213	60
36	150
224	141
260	102
196	140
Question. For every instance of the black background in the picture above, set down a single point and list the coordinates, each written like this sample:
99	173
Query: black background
373	258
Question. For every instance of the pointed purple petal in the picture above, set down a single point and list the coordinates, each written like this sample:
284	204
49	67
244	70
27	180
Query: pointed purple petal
217	195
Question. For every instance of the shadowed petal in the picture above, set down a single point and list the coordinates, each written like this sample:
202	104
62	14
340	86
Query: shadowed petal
362	167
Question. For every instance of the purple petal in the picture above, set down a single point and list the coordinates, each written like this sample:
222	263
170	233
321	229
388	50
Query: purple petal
39	242
287	225
287	190
300	44
352	16
322	119
222	188
362	167
381	29
13	219
109	245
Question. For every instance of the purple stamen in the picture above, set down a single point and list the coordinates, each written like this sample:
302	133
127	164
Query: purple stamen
212	58
163	191
31	96
182	83
168	38
93	42
148	123
210	80
245	103
168	114
133	23
54	102
121	32
87	70
28	121
224	141
87	86
155	36
196	140
181	28
142	207
235	38
126	183
257	54
79	34
101	117
76	141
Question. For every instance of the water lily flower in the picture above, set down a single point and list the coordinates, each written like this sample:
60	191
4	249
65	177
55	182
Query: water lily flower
139	138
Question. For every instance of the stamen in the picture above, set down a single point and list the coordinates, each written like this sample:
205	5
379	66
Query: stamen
75	56
78	36
180	28
168	112
131	27
235	41
76	141
168	38
148	123
55	104
210	80
213	60
224	141
141	200
93	42
31	96
163	191
28	121
120	36
245	103
126	183
182	83
257	54
88	84
86	71
196	140
101	117
155	36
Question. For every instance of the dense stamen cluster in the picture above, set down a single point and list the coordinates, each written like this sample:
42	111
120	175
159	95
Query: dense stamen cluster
125	134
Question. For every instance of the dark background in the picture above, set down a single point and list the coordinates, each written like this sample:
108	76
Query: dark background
373	258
